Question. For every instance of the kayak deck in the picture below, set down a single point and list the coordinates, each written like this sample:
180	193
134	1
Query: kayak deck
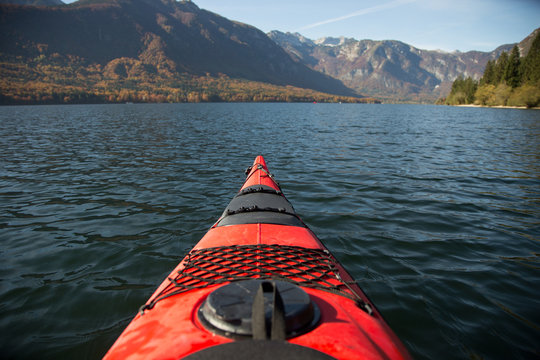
258	243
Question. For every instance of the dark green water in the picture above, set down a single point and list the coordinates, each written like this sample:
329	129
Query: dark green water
434	210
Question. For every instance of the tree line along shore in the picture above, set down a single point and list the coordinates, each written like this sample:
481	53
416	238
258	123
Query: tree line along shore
509	81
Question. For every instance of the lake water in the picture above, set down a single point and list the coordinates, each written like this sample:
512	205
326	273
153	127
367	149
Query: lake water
434	210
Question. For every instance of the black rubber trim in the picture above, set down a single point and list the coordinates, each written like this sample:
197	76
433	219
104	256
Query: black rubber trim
259	200
261	217
260	350
259	189
260	204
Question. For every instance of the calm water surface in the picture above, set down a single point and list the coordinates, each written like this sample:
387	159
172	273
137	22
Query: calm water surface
434	210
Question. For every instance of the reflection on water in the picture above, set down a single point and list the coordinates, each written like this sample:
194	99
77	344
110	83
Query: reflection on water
434	210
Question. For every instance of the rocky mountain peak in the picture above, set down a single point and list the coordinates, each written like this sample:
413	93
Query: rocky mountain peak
387	69
525	44
333	41
295	39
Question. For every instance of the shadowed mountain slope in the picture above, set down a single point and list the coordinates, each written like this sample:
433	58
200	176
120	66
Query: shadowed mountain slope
170	36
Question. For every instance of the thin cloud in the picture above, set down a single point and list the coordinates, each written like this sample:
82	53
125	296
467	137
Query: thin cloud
365	11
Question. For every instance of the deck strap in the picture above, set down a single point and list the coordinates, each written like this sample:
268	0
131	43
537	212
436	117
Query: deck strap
310	268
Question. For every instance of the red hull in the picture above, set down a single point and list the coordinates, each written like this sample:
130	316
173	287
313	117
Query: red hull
350	327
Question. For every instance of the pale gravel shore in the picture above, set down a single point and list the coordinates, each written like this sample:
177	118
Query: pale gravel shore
497	106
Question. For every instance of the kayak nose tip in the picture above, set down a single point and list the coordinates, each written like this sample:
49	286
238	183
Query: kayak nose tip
259	160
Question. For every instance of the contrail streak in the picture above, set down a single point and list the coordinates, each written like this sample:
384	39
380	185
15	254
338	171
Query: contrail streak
366	11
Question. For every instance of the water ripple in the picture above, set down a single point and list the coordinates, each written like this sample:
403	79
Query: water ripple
434	210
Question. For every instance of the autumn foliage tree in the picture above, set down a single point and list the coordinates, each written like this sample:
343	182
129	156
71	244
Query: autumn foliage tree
63	80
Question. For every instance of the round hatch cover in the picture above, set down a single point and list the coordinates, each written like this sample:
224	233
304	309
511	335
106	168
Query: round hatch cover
228	309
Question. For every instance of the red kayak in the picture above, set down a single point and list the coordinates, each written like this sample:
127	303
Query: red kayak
259	285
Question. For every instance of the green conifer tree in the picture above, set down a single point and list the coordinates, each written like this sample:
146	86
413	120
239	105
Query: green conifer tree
531	64
500	68
470	87
462	92
512	75
489	73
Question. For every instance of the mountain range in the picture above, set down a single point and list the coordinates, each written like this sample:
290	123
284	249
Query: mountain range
391	70
111	43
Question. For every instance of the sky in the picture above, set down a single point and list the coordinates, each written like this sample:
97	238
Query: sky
447	25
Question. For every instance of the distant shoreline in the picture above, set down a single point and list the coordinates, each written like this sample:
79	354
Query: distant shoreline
498	107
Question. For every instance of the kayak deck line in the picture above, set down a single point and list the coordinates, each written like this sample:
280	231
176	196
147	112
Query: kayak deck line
313	268
259	166
258	285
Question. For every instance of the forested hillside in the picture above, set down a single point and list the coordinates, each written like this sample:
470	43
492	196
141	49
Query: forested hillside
60	80
149	51
511	80
33	2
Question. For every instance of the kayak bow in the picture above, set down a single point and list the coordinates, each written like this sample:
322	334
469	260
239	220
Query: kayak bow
260	285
